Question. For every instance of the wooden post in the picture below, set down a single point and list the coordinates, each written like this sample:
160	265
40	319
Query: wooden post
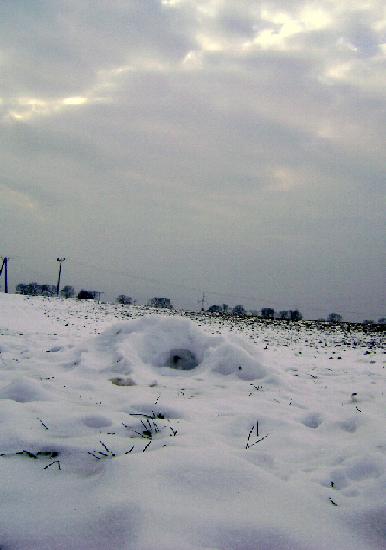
6	275
60	260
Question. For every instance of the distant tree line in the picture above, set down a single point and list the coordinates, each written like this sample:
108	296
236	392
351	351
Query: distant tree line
36	289
163	303
68	291
291	315
284	315
268	313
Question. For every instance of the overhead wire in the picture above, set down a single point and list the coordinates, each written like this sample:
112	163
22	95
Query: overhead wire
226	295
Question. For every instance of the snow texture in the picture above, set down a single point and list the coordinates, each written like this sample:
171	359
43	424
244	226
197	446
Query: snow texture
130	430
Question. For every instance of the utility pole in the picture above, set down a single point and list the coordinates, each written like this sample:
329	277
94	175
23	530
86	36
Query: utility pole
6	275
5	267
60	260
202	302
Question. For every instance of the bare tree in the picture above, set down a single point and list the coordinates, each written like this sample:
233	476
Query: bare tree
267	313
285	315
334	318
296	315
124	300
67	292
239	310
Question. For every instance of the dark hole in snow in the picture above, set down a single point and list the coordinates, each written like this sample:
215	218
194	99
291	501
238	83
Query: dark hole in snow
181	359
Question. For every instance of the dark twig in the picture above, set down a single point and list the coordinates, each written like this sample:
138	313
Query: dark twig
257	388
92	454
258	440
42	423
107	449
54	462
249	436
144	449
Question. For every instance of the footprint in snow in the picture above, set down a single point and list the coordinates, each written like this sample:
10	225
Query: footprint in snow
96	421
312	420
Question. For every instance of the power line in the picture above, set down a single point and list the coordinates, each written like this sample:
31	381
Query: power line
135	276
227	295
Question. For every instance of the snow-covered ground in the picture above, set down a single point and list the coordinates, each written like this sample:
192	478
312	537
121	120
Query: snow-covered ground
275	440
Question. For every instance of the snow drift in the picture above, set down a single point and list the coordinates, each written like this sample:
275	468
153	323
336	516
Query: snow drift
170	346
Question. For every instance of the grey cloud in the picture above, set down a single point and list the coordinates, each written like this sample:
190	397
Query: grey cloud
56	48
248	172
363	38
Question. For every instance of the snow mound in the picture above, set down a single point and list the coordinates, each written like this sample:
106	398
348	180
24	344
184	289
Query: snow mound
171	346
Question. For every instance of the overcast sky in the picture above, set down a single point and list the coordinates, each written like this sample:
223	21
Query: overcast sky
170	147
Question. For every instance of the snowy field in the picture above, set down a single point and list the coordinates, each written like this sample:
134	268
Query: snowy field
273	439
